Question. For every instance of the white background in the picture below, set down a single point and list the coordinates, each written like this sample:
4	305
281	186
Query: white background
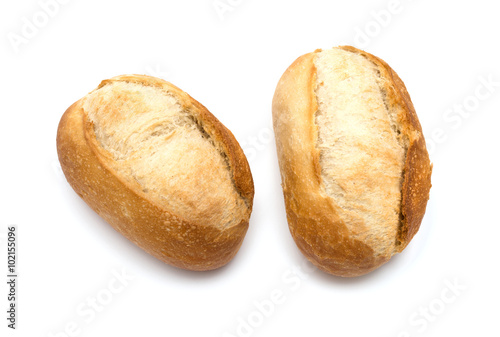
231	61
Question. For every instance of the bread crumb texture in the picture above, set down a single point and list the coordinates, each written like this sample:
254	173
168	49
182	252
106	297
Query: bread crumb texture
362	153
157	145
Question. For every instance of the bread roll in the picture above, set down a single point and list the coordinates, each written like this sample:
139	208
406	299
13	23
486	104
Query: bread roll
160	168
355	171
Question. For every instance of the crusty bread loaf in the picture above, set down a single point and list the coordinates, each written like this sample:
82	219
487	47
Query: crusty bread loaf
160	168
355	170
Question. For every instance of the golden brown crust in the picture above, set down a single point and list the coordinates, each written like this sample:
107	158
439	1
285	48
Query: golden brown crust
312	216
162	234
